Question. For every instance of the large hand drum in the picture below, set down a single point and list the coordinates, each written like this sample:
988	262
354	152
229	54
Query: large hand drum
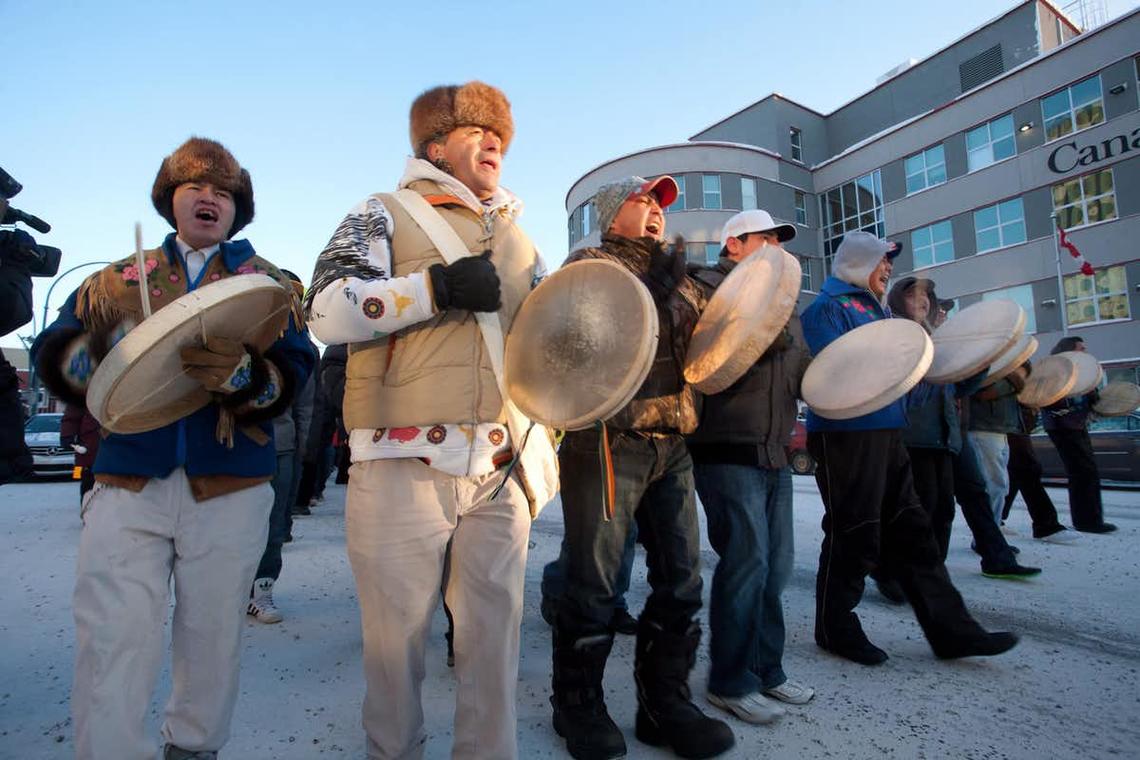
1005	364
743	317
1051	380
868	368
1117	399
140	385
1089	372
581	345
971	340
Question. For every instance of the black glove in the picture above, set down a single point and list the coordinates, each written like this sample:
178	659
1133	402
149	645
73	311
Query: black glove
470	283
666	269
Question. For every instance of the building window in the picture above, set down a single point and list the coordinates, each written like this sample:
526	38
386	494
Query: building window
1085	200
587	214
1022	295
1072	109
679	204
925	169
999	225
801	208
712	252
710	186
932	245
747	193
990	142
797	144
857	205
1100	298
805	273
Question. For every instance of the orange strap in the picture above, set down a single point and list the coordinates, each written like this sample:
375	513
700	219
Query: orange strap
443	200
606	462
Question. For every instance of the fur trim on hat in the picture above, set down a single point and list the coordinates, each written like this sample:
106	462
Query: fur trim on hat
202	160
441	109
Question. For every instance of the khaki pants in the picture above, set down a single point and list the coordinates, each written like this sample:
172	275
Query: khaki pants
400	515
131	546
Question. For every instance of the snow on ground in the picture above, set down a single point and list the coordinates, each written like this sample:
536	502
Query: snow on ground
1070	689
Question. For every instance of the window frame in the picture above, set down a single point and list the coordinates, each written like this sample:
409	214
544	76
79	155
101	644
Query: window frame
933	245
834	228
799	203
1096	296
926	167
1084	201
705	193
988	126
1000	226
796	135
745	180
1071	113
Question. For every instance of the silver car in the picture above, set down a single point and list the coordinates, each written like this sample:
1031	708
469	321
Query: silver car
49	455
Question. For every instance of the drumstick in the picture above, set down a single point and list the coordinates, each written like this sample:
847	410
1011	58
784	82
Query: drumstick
140	262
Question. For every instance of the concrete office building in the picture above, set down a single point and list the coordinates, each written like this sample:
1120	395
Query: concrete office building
966	157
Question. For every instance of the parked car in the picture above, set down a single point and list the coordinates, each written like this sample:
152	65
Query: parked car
1116	448
798	456
49	455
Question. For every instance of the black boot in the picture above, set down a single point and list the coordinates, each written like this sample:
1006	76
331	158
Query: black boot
665	712
580	715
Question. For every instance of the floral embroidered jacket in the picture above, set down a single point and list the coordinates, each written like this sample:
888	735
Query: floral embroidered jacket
110	297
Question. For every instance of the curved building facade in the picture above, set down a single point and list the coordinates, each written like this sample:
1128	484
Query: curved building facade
972	158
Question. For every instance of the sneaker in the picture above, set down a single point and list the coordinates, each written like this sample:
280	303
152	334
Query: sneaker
261	604
1013	572
753	708
791	692
1060	536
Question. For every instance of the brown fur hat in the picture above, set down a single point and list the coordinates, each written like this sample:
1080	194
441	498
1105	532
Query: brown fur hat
202	160
442	109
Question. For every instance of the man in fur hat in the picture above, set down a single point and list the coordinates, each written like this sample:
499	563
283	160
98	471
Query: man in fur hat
186	500
651	479
872	515
428	427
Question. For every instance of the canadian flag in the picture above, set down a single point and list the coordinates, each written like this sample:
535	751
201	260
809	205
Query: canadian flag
1086	268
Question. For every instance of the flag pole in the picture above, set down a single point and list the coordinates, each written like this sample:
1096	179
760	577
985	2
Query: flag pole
1060	280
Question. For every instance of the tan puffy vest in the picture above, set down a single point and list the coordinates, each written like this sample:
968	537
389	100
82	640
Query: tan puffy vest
437	371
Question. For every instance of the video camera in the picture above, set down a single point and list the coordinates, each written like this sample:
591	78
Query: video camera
17	246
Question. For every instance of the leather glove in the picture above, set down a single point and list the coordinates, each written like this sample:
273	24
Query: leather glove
223	366
470	283
666	269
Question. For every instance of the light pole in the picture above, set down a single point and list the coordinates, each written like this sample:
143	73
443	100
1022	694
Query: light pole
35	403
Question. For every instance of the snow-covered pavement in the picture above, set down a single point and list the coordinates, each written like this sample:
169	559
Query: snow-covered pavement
1071	689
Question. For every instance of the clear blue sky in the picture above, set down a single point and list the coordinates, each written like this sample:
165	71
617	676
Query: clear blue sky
313	97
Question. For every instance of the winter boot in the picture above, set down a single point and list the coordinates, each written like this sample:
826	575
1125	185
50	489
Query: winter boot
666	714
580	715
261	603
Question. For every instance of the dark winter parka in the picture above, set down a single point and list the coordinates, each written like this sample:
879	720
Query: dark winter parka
751	421
665	403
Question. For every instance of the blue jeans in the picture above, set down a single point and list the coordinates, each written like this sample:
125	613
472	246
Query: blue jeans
654	488
554	573
284	493
749	511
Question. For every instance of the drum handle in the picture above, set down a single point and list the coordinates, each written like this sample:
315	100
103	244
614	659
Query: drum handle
140	262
